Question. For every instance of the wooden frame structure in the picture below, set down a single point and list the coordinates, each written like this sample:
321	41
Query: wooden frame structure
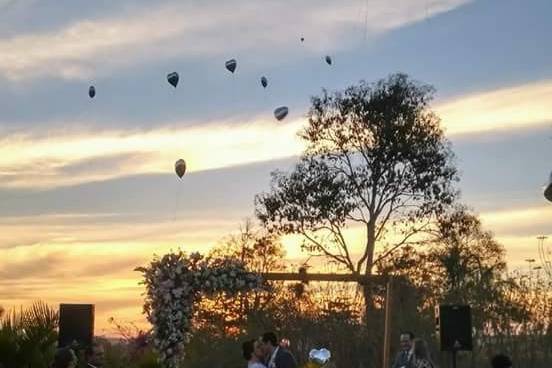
305	277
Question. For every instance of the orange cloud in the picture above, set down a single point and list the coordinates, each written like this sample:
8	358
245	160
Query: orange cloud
59	160
501	109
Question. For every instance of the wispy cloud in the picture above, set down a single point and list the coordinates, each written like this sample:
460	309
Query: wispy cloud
84	234
58	160
501	109
519	221
61	158
207	28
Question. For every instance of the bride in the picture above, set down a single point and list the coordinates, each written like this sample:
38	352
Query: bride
253	354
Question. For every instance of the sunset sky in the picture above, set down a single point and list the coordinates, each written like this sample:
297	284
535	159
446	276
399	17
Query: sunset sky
87	188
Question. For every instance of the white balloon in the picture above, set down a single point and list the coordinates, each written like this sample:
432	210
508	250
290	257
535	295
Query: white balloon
320	357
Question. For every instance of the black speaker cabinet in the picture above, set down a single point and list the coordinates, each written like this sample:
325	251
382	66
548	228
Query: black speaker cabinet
76	323
453	325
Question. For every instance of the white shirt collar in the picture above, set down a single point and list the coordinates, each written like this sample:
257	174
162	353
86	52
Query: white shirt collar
273	356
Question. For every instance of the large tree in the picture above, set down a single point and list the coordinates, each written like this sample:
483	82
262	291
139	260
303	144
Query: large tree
462	263
261	253
375	156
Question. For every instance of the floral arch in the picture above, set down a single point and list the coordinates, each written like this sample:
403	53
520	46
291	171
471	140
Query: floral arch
174	283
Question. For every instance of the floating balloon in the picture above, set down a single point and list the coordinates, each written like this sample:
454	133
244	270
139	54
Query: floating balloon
264	82
281	112
180	168
328	60
172	78
91	91
548	190
320	357
302	39
231	65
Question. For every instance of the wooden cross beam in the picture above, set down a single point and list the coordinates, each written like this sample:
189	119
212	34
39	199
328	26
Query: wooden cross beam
331	277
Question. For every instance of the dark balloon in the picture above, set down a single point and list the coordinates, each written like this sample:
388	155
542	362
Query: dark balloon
329	60
281	112
180	168
264	82
91	91
302	39
231	65
548	190
172	78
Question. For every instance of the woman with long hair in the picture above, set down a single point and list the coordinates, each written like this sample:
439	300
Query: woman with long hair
421	358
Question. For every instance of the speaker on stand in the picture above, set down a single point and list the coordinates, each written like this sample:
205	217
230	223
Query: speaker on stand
453	327
76	325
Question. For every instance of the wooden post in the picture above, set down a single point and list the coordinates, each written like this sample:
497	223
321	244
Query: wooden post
387	328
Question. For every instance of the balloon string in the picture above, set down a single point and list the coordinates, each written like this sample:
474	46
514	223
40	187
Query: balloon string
366	21
176	201
266	99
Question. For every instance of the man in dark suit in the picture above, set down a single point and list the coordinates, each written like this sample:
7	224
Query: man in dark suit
277	356
403	358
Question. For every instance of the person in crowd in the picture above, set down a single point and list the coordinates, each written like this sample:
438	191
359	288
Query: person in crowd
95	356
276	356
253	354
65	358
501	361
421	358
403	357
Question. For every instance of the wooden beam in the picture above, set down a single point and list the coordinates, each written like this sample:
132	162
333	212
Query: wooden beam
331	277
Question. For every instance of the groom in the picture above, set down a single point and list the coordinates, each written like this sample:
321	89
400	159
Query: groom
276	356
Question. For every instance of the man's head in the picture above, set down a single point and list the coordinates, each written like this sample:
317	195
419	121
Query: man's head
406	340
501	361
269	342
65	358
96	354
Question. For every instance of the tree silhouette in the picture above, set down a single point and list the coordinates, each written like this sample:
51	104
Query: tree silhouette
375	156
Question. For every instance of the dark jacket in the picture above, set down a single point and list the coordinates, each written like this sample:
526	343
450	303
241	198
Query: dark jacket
402	360
284	359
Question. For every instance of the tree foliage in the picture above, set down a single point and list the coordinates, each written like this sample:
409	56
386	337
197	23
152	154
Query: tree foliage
28	336
375	155
260	252
464	264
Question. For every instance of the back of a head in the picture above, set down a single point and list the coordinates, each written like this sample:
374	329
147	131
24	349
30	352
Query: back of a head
248	347
64	357
501	361
421	350
409	333
270	337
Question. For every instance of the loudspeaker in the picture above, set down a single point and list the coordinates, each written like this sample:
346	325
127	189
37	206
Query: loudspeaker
453	325
76	323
